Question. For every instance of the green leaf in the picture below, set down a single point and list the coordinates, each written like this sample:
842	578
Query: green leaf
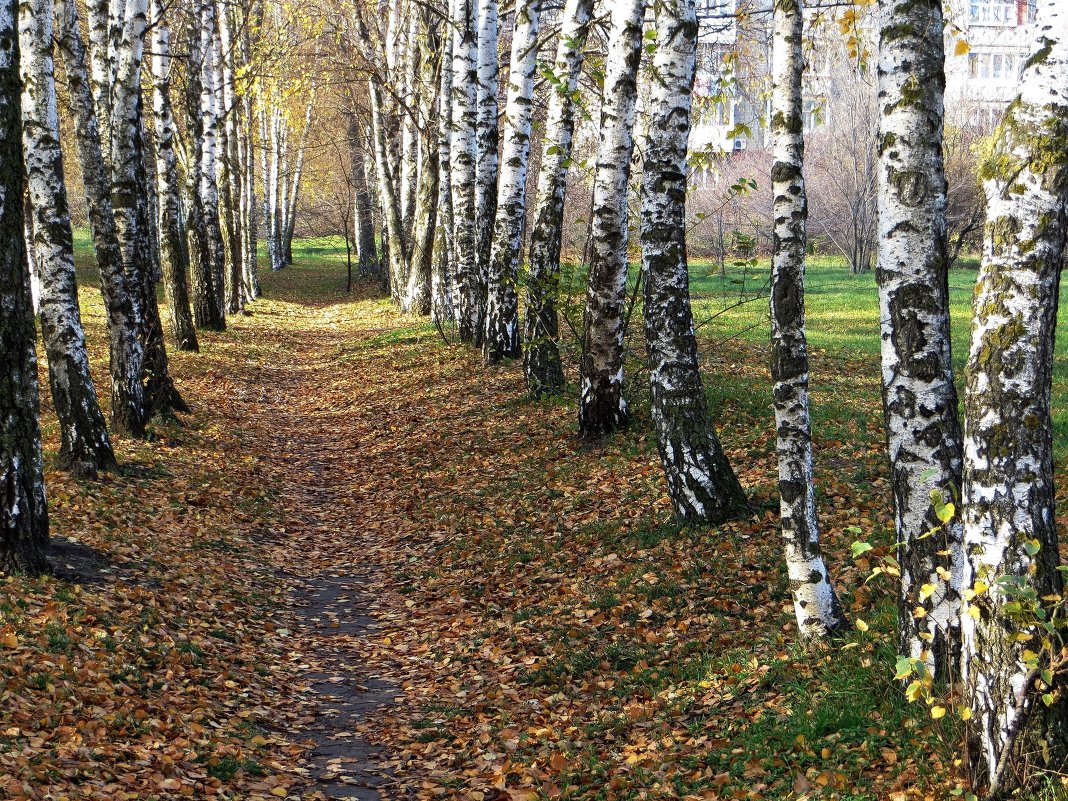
860	547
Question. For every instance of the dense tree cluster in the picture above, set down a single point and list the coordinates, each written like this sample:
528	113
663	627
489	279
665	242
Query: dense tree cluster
193	127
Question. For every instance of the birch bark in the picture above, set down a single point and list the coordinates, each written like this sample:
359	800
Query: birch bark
1008	492
919	397
487	147
602	408
121	302
541	353
174	257
701	482
23	513
464	171
84	444
816	606
501	340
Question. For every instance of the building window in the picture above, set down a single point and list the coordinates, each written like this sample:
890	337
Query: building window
992	12
999	67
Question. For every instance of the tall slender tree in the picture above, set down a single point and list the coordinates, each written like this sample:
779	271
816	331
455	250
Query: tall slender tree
174	256
701	482
209	154
84	444
464	170
487	148
920	399
121	303
816	605
442	296
602	407
501	339
1019	712
542	366
23	514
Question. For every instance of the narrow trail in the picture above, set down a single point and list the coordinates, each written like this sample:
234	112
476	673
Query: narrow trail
310	426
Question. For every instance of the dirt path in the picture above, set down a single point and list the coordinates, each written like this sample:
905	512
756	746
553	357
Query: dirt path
310	428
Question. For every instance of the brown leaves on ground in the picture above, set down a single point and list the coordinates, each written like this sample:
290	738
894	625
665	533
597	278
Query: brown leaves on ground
552	634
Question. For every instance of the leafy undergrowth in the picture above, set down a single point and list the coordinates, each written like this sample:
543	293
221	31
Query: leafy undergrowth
553	635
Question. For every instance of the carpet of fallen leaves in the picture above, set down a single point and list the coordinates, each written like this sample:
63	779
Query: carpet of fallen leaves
551	633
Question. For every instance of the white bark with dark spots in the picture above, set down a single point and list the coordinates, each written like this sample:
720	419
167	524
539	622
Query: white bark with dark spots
1008	492
501	340
84	444
541	352
816	606
602	408
701	482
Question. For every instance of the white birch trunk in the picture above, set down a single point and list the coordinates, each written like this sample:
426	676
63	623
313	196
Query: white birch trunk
174	258
602	408
442	286
24	521
701	483
84	445
541	353
121	301
1008	494
816	605
486	150
464	171
501	340
209	187
920	400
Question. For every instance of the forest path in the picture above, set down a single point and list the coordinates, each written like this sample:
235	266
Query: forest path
315	427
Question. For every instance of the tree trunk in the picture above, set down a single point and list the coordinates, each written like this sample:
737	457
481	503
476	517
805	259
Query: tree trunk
541	361
701	483
392	224
174	257
228	165
121	303
23	513
290	211
443	298
206	313
816	605
1008	493
84	445
501	340
920	400
209	186
486	148
364	219
464	171
602	408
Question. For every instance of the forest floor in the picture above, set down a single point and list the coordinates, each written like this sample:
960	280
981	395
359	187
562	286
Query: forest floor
364	560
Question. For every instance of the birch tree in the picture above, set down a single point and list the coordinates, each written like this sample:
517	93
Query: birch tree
442	296
463	169
364	219
174	257
541	352
209	185
121	302
202	275
24	514
922	427
1012	658
486	150
602	407
816	605
84	444
501	339
701	482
